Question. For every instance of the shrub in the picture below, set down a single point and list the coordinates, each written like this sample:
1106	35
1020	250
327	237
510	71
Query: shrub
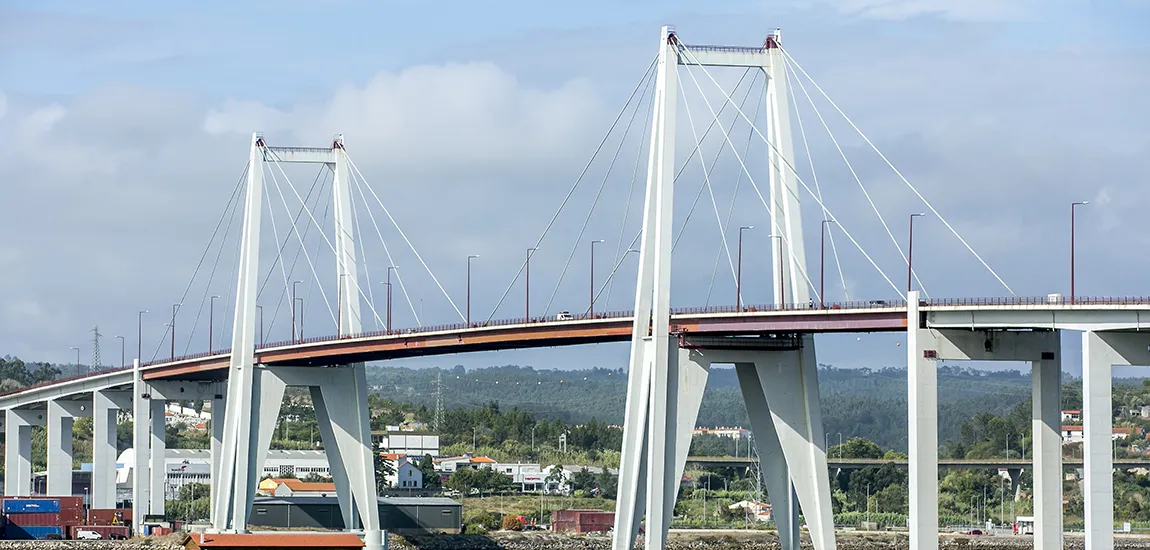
512	523
475	529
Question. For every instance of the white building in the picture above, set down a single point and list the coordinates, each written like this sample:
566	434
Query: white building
529	477
407	475
1072	416
406	443
185	466
1073	434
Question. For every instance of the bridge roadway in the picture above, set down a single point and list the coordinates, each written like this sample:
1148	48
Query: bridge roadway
1033	313
949	463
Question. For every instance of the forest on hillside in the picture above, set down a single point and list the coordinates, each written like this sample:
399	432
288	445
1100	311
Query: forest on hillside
856	402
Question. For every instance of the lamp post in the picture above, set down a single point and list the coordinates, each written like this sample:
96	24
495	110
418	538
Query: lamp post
140	333
123	359
739	270
591	308
1072	205
77	359
822	262
390	268
175	308
211	320
293	298
469	258
910	249
301	312
527	291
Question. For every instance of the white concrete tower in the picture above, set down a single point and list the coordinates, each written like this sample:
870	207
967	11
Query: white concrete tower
666	379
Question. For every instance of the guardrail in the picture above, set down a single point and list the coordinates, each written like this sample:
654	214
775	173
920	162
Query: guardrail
890	305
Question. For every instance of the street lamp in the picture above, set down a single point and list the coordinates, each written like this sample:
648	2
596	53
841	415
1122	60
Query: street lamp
261	310
211	319
469	258
822	262
780	298
910	249
293	299
739	271
123	361
390	268
140	333
175	308
301	312
527	289
591	309
77	359
1072	205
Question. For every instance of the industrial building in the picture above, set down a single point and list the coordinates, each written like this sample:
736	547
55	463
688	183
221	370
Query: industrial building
399	515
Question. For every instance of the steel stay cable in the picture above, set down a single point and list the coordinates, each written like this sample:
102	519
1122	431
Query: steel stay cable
634	178
591	211
365	263
726	136
387	252
707	179
797	178
299	250
815	177
212	275
284	294
898	173
295	231
323	170
404	235
698	144
574	186
735	193
339	261
207	249
275	233
857	179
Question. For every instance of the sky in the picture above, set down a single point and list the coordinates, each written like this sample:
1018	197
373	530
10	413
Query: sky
124	127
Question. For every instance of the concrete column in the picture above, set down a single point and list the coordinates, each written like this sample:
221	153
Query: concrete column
1016	484
1046	427
1097	424
141	449
18	449
218	415
922	399
773	464
157	455
106	406
59	449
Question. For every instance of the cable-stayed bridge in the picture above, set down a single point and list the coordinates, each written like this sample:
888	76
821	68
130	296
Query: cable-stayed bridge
771	345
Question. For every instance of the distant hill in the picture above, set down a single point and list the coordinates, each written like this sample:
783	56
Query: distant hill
856	402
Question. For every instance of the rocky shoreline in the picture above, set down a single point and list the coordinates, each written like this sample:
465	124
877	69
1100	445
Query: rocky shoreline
702	540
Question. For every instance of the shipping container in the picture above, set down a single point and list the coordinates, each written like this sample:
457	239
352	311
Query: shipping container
29	532
109	516
597	518
105	531
26	505
34	518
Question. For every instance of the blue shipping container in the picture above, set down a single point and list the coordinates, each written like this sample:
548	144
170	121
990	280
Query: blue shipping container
16	532
25	505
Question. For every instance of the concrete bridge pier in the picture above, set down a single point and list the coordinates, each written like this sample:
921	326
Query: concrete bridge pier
61	415
780	387
925	348
18	449
1100	352
106	407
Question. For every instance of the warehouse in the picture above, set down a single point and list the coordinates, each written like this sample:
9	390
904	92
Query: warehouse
399	515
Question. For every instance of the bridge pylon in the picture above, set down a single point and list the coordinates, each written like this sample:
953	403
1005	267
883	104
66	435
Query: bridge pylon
255	392
668	373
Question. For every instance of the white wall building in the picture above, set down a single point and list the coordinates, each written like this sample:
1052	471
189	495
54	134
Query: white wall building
406	443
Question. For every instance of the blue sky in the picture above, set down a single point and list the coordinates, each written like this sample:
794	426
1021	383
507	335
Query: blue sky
124	125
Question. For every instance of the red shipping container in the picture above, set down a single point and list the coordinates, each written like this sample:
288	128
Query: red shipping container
597	518
106	516
104	530
127	514
161	531
70	503
33	519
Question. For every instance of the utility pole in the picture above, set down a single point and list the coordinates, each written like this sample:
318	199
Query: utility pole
95	366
